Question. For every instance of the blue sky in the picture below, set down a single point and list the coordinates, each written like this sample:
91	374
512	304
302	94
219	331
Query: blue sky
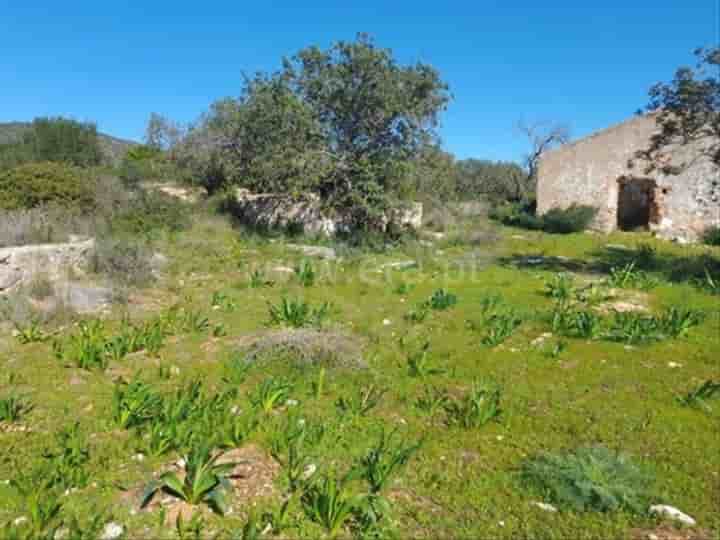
587	64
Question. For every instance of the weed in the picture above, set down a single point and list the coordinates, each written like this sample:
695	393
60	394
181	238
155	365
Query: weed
194	321
235	369
700	396
305	274
328	503
589	479
476	408
205	480
42	507
134	403
402	288
222	301
629	277
361	403
561	288
235	429
432	400
259	280
68	461
499	327
556	349
289	448
580	324
384	459
86	348
419	363
30	333
270	394
13	407
441	300
418	314
297	313
319	385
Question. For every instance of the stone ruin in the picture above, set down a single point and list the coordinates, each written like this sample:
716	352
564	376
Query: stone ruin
603	171
306	214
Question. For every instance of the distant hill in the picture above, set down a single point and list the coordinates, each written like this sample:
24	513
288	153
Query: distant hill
113	148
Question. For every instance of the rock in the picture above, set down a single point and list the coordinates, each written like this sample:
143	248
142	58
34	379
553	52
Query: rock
20	265
9	277
84	298
544	506
314	251
671	512
400	265
112	531
158	261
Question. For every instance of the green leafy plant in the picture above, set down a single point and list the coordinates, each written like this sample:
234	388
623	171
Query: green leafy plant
418	314
235	368
43	508
270	394
194	321
222	301
476	408
441	300
134	403
419	363
258	279
360	403
30	333
297	313
629	276
86	348
385	459
328	503
576	323
499	327
402	288
13	407
205	480
699	397
560	288
432	400
305	274
589	479
289	446
67	461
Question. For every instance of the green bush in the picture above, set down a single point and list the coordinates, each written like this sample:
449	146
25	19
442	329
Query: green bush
574	218
589	479
711	236
150	212
34	184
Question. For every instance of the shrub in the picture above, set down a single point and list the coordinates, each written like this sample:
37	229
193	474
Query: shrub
711	236
35	184
575	218
589	479
150	212
123	261
297	313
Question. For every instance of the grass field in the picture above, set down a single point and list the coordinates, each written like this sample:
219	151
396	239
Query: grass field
388	353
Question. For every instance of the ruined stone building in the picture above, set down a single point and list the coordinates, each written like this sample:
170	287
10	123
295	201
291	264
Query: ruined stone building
602	170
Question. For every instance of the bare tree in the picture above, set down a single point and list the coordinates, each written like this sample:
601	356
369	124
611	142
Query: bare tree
542	136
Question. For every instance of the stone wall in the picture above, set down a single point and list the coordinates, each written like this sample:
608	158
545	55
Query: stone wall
279	211
20	265
591	171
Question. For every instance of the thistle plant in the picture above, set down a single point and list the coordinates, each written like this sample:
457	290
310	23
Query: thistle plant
270	394
328	502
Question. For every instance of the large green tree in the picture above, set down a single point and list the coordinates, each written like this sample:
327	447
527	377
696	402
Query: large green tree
346	122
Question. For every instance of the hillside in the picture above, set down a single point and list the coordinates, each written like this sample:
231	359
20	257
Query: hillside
113	147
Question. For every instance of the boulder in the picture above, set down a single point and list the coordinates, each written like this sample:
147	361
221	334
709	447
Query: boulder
307	214
20	265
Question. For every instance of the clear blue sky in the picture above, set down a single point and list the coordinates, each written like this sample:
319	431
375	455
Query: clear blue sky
586	63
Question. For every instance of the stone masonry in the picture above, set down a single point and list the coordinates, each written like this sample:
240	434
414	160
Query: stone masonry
602	170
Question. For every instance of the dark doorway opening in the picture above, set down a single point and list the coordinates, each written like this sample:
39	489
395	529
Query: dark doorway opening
637	207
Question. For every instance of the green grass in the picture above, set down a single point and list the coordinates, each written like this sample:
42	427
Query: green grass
626	394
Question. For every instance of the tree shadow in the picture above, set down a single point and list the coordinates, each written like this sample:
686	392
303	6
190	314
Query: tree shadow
702	269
